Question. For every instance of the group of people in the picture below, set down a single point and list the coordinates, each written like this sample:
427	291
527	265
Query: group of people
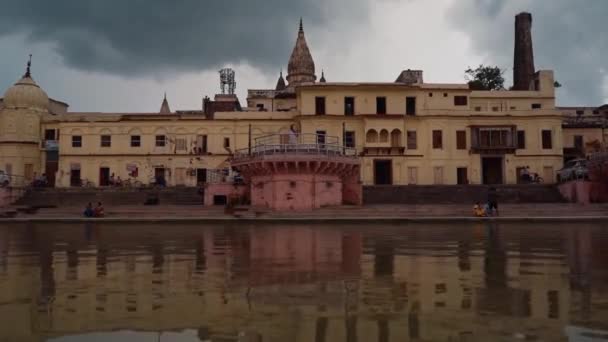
115	181
40	181
490	208
98	211
529	177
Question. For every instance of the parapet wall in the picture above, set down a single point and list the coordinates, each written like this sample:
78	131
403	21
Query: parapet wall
10	195
584	192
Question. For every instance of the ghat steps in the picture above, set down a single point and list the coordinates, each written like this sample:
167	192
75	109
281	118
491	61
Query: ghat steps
459	194
109	196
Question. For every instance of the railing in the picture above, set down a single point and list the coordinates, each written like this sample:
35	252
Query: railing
299	144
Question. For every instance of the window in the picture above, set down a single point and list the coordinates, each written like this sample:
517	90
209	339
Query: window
460	100
547	140
260	107
49	134
319	105
445	94
349	139
462	176
578	142
596	112
412	141
461	140
321	137
180	144
513	108
438	175
412	175
478	109
226	142
161	141
580	112
135	141
106	140
349	106
201	144
537	106
381	105
495	109
410	106
521	140
437	139
76	140
430	94
493	137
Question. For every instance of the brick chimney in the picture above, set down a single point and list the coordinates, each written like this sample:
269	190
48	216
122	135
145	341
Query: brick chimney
523	64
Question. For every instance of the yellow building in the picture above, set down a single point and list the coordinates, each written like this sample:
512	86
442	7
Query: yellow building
406	132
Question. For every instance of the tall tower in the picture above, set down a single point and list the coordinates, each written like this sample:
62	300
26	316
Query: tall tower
301	67
24	105
523	67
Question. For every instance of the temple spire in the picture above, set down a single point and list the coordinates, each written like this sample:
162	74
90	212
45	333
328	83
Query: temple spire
164	107
28	70
322	80
301	67
280	82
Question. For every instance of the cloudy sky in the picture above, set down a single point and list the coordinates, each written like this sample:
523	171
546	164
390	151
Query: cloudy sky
122	55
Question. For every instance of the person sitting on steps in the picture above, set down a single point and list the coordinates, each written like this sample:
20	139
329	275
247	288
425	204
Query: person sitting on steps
88	211
99	211
478	211
492	201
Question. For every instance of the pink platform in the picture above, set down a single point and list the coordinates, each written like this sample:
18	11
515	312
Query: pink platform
301	182
299	172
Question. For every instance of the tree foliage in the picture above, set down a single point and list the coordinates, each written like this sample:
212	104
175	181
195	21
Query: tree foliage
485	78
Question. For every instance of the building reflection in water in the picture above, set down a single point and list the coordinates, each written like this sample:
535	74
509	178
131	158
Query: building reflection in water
302	283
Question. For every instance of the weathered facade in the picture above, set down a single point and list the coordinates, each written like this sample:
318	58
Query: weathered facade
406	132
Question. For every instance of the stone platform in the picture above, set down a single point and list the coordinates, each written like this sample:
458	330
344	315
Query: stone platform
565	211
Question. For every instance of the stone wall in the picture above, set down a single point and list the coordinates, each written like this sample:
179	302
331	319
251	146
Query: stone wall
584	192
108	196
9	195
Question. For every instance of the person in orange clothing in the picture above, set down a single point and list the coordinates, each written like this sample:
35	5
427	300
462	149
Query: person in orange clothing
478	210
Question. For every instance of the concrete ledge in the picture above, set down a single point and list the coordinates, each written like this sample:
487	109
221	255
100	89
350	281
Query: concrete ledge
318	220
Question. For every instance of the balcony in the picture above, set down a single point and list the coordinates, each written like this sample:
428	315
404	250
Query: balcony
494	140
296	145
383	143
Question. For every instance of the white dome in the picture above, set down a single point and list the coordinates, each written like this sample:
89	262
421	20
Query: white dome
26	94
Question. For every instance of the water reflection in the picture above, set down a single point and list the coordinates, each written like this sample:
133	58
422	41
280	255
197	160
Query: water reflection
481	282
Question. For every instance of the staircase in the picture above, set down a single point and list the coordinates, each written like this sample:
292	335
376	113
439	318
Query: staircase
70	197
459	194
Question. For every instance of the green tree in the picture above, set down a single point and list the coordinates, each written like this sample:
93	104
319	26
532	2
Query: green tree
485	78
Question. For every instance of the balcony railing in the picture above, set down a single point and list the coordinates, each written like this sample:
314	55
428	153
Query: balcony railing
494	139
295	144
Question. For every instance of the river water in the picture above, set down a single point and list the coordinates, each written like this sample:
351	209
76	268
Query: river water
364	283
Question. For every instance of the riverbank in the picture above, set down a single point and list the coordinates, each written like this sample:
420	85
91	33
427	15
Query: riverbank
345	214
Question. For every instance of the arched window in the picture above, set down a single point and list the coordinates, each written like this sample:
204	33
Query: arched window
371	136
383	136
396	140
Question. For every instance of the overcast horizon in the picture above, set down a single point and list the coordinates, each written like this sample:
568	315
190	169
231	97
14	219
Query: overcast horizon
118	56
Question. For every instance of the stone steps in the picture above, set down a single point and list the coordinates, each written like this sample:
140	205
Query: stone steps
115	196
460	194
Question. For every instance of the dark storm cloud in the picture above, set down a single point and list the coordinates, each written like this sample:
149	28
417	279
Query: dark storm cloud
569	37
131	37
